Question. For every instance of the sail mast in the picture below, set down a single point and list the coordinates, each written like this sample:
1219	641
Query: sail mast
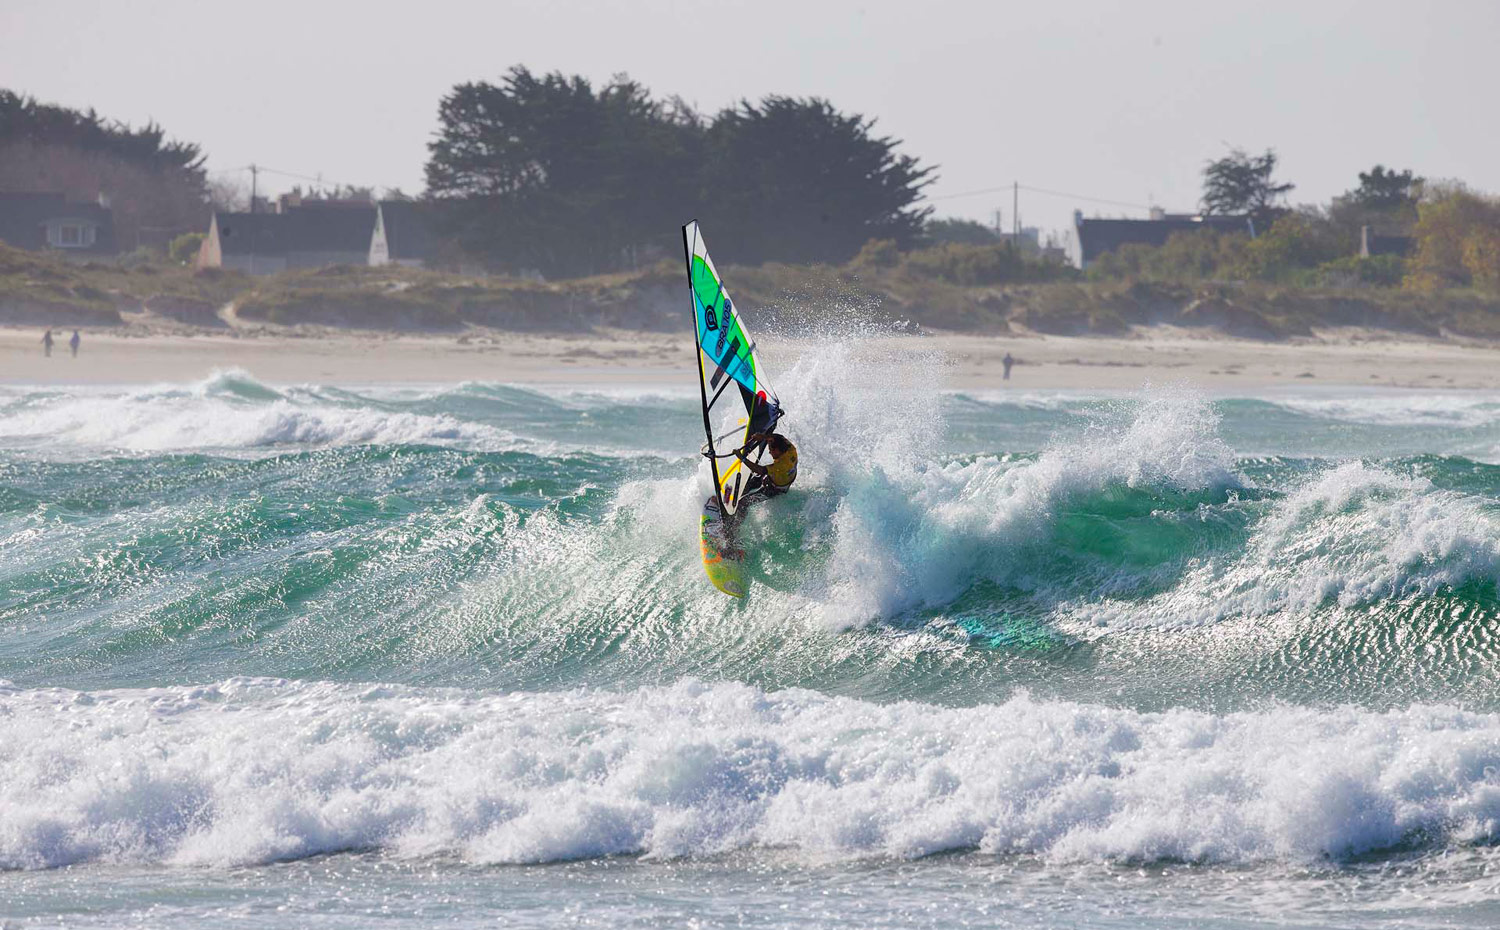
708	430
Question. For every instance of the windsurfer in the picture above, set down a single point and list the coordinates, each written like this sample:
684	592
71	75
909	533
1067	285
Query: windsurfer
774	477
766	481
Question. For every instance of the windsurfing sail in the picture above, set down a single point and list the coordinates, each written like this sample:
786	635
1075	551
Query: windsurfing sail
736	399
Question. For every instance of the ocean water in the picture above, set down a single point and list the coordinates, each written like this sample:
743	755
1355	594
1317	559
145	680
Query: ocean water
314	656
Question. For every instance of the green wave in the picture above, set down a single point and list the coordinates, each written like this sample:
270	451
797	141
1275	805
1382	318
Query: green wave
513	569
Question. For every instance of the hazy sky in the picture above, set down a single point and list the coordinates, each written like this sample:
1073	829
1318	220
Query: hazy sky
1121	101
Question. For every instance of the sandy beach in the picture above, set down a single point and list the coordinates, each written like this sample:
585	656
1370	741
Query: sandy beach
1156	356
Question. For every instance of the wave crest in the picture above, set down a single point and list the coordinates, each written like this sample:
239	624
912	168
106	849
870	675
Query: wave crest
251	771
230	410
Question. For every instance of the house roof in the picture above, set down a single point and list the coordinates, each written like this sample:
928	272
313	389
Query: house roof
408	229
1096	237
24	218
299	229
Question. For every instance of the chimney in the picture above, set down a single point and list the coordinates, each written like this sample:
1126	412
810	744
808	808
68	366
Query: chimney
1158	214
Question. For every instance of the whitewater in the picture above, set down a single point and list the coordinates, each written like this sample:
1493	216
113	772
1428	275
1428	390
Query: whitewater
326	656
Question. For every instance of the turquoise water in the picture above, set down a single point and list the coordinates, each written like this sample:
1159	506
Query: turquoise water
309	655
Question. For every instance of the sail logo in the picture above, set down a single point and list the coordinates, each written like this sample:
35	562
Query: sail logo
723	331
723	360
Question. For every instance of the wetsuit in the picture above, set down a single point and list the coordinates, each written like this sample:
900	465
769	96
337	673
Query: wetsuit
780	473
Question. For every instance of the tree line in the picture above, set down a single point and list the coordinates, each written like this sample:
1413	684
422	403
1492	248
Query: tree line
23	119
1442	235
545	173
157	185
548	172
551	173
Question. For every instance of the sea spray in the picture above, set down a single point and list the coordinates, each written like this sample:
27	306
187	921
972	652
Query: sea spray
250	771
911	532
1348	536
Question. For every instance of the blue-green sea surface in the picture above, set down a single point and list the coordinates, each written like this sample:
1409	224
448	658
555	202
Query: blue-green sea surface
412	656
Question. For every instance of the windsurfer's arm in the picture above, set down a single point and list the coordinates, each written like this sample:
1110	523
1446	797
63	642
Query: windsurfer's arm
754	468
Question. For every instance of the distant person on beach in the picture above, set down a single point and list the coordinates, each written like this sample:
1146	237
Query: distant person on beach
73	343
1007	362
47	343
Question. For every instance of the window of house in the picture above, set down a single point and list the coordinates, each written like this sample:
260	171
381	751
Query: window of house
72	235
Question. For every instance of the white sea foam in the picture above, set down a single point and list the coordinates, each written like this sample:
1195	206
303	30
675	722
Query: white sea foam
250	771
229	410
1358	532
1350	536
907	531
1406	408
125	423
1375	407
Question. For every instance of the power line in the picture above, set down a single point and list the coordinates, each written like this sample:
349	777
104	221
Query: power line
1046	192
288	174
303	177
984	190
1113	203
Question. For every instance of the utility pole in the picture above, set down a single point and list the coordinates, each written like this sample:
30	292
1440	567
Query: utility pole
254	187
1015	215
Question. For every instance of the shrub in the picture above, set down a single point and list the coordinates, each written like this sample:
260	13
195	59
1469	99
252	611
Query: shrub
1294	242
1353	271
141	257
184	249
1458	243
878	253
1200	255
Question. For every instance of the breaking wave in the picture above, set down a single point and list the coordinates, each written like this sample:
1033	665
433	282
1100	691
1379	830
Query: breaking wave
1142	628
229	410
251	771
